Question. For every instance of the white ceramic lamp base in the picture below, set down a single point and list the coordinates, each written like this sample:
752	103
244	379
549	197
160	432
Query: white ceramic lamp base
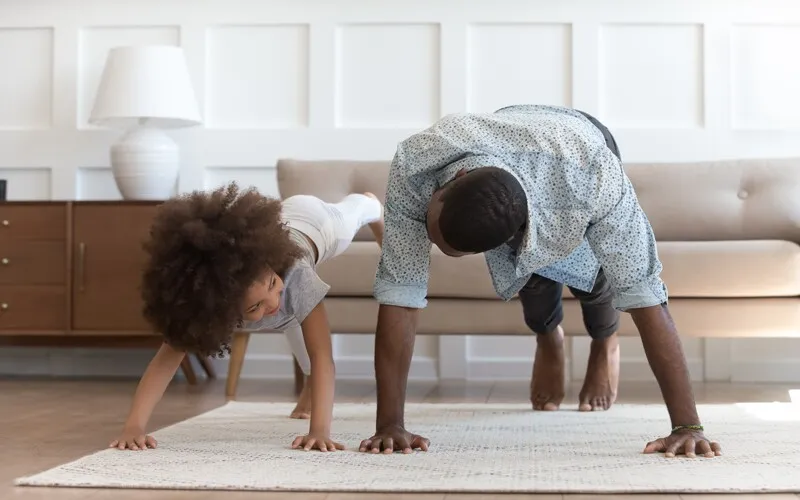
145	162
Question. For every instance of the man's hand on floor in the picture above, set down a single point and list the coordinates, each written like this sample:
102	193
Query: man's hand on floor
393	439
691	443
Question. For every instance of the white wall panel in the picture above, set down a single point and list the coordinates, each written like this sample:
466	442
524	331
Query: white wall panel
388	75
651	75
26	68
679	80
96	183
261	178
765	77
26	184
519	63
257	77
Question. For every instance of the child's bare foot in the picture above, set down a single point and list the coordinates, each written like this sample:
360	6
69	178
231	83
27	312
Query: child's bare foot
303	408
301	413
377	226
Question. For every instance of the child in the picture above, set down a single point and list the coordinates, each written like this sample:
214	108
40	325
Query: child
228	259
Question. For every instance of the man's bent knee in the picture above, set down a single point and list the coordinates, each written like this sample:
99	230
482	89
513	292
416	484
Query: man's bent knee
542	322
600	317
541	304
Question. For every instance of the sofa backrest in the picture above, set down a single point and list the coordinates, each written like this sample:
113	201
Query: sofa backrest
702	201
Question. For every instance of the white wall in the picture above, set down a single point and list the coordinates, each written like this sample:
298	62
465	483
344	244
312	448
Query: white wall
674	80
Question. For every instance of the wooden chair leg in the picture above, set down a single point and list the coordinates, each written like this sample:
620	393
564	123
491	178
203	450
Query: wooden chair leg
207	366
299	378
188	370
238	350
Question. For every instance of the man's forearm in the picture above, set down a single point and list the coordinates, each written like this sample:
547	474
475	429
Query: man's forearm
664	352
394	347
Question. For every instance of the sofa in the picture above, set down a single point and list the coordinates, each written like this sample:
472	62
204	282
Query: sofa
727	232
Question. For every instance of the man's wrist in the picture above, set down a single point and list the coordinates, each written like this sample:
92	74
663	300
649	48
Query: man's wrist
685	417
389	414
394	421
688	427
387	428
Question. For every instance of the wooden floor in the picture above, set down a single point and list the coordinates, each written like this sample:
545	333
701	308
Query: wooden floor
44	423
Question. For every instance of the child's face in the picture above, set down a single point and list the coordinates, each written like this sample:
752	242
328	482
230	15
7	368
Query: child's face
263	298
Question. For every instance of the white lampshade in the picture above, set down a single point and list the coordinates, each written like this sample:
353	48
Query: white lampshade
146	82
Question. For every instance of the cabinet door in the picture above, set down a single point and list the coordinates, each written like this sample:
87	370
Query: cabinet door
107	263
33	268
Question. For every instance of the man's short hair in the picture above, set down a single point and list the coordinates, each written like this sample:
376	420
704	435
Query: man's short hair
482	210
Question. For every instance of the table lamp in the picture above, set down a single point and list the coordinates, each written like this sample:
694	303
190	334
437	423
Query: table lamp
143	90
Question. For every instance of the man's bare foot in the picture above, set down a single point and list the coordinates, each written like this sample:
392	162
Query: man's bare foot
547	380
601	383
303	408
377	226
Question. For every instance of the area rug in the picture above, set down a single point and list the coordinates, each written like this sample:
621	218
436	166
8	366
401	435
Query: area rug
479	448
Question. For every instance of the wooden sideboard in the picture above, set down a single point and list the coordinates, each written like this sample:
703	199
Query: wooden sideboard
70	275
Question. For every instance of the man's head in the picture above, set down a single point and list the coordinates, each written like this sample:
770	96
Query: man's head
477	211
214	260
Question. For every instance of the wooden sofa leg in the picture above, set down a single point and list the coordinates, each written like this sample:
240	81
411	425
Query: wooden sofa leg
188	370
207	366
299	378
238	350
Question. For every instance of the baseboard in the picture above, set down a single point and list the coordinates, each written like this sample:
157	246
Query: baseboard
131	363
269	366
74	362
782	371
635	370
501	369
638	370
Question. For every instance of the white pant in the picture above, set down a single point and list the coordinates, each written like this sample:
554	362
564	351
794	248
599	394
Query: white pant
332	227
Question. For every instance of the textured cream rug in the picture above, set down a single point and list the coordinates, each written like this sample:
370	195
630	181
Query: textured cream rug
474	448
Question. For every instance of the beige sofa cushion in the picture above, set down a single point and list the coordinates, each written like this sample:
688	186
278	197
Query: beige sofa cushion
695	317
703	269
752	199
722	269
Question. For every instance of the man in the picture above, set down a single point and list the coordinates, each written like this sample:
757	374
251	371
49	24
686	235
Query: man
540	190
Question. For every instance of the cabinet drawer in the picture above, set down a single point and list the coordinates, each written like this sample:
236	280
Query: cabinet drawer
33	263
33	308
33	221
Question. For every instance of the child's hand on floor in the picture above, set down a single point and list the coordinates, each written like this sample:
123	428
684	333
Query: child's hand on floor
133	439
316	442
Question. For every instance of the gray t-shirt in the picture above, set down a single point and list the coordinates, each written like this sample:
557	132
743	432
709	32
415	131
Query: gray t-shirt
303	291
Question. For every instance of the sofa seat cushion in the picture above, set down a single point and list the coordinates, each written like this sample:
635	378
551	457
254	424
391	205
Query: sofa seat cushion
692	269
728	269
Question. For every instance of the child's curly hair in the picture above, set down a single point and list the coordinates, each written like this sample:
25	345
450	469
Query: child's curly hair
205	250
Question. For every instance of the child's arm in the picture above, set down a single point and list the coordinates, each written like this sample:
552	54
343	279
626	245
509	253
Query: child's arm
317	335
151	387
